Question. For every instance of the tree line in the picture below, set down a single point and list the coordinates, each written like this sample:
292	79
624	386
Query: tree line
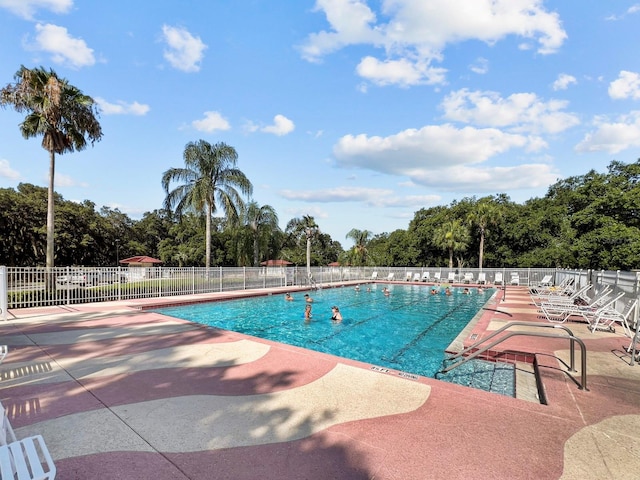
586	221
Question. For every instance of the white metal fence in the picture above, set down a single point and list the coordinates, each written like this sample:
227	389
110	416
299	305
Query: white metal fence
35	287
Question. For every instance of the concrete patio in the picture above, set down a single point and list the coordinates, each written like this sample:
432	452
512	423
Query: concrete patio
123	393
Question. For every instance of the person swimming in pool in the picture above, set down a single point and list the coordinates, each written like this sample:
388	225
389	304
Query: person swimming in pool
307	313
336	316
307	298
288	297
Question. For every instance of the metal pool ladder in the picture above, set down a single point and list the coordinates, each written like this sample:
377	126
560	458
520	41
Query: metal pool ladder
583	349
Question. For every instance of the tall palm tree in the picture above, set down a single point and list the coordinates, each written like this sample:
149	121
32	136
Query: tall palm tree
482	216
307	228
61	113
209	179
452	236
360	239
261	221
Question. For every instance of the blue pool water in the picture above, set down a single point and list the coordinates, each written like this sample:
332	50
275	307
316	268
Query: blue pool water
406	331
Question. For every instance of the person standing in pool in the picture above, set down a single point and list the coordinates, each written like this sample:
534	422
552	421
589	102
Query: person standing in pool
336	316
307	313
288	297
307	298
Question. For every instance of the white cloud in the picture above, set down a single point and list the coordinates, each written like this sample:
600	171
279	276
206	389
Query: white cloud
121	108
281	126
520	112
27	8
489	179
184	52
417	32
211	122
612	137
415	152
481	66
563	81
626	86
374	197
401	72
6	171
61	180
64	49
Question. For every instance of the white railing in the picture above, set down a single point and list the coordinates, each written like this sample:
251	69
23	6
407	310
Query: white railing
35	287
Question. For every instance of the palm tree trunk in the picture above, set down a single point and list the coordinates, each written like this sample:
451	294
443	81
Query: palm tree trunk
481	249
50	210
308	256
256	250
208	238
451	258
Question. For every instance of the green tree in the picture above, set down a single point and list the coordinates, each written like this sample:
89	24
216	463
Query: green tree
208	180
303	229
361	240
452	236
262	222
61	113
484	213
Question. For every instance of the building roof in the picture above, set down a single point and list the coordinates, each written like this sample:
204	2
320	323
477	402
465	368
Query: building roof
140	259
275	263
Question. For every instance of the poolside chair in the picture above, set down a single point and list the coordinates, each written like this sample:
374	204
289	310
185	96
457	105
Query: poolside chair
4	349
546	281
515	278
374	276
425	277
390	277
609	317
566	297
7	435
409	276
416	277
451	277
26	459
497	279
600	304
468	277
20	460
482	278
436	277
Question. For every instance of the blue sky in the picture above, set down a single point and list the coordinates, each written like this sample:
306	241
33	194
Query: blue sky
356	112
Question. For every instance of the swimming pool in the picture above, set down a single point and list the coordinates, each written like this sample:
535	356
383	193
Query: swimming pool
406	331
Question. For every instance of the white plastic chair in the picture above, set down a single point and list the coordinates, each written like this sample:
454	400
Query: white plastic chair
498	278
4	349
425	277
482	278
409	276
26	459
416	277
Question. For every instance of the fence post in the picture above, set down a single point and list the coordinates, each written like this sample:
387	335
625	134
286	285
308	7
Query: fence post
4	300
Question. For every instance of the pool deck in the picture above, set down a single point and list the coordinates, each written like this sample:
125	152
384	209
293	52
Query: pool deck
123	393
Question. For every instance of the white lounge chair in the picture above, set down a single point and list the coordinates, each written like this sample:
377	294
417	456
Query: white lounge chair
451	277
26	459
390	277
425	277
4	349
409	276
610	317
416	277
497	279
546	281
559	313
482	278
515	278
468	277
436	277
374	276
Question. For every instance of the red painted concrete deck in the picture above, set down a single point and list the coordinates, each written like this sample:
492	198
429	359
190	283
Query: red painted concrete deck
123	393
